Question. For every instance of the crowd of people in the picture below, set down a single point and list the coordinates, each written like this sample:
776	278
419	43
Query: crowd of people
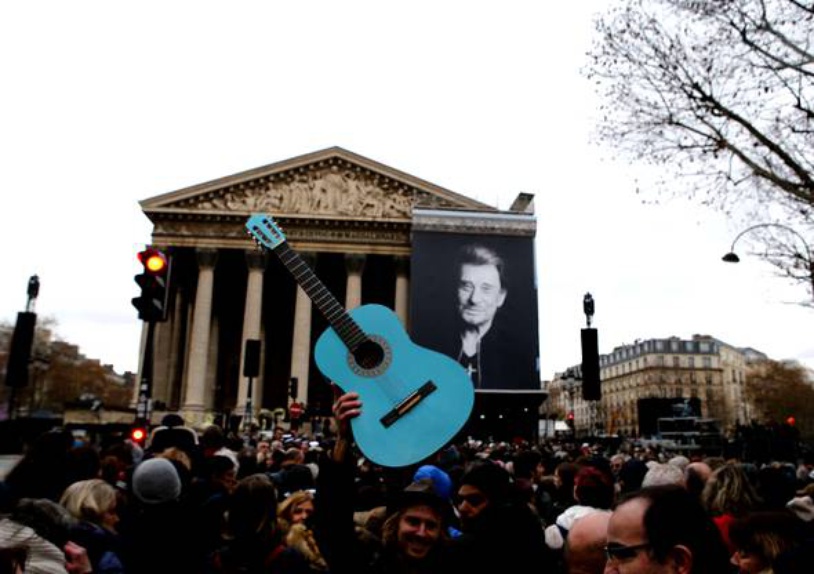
211	501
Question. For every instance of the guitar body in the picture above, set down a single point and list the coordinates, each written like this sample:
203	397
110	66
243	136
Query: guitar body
424	424
414	400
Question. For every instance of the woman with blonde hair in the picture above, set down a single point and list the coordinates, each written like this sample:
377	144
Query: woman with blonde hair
94	503
293	518
296	508
252	541
727	495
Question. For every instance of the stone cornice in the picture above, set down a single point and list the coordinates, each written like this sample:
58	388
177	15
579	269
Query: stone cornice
215	230
502	223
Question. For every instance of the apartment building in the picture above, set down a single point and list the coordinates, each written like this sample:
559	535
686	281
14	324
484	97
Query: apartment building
702	376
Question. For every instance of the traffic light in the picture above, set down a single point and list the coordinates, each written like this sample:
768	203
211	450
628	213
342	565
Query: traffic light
570	420
154	281
292	387
138	435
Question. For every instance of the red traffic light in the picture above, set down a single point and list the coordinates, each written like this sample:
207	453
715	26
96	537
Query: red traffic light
138	435
570	416
791	421
154	261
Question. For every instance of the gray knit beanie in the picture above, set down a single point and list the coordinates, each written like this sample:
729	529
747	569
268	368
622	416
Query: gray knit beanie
155	480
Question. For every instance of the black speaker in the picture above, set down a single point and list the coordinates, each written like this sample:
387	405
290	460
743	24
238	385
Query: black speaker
19	354
591	390
251	358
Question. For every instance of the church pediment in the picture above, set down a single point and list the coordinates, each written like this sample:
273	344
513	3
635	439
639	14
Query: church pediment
332	183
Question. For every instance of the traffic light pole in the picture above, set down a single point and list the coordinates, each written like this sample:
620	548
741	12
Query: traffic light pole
144	407
247	416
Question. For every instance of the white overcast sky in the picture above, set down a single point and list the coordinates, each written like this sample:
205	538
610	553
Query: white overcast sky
106	103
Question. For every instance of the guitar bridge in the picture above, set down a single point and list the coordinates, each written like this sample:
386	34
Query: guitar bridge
408	404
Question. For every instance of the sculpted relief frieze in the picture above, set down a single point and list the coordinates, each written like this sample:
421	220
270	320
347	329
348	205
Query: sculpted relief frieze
333	189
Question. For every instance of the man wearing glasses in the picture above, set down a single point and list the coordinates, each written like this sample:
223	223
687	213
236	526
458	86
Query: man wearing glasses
663	529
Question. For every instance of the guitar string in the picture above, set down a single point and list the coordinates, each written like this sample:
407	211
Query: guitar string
346	328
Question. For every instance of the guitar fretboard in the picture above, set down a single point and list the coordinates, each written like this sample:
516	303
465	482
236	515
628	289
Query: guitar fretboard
344	325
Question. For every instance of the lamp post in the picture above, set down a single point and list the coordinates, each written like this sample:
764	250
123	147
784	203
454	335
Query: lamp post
732	257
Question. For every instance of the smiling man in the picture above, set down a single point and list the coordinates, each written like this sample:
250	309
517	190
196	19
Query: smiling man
663	529
414	534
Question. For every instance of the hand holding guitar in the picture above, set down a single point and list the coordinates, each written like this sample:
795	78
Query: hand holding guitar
345	407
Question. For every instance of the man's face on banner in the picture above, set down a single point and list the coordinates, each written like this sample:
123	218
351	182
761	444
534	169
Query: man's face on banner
480	294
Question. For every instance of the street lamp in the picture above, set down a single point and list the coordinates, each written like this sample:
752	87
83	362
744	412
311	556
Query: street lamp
732	257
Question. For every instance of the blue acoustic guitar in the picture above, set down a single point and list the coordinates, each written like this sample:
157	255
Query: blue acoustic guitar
414	400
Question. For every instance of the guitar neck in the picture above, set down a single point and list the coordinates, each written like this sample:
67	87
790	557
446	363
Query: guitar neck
341	322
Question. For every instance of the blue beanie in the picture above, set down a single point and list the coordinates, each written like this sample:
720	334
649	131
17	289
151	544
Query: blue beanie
441	482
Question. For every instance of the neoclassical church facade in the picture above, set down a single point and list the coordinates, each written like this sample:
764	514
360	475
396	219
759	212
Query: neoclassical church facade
349	217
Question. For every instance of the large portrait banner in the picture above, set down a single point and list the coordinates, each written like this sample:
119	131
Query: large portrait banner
474	298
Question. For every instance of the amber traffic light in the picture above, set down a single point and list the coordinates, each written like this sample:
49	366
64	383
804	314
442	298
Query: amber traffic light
154	281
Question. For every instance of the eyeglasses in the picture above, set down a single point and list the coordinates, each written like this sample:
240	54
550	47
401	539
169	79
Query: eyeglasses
621	552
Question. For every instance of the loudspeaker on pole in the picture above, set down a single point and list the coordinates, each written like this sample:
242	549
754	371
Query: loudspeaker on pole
19	354
591	390
251	358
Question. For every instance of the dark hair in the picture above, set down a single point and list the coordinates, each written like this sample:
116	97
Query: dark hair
525	462
12	558
674	516
767	533
632	474
475	254
252	507
48	519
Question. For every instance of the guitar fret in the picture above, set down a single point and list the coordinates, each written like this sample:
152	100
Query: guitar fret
344	325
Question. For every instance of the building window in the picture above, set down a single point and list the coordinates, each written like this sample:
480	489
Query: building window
707	362
659	345
703	347
688	346
660	361
691	362
676	362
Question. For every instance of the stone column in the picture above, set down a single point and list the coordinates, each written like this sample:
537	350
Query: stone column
194	399
161	355
354	265
301	340
402	289
252	315
173	368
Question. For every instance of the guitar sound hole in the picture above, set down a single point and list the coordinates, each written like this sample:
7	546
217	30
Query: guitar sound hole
369	354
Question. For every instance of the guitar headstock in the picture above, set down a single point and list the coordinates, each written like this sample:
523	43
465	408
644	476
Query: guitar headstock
265	231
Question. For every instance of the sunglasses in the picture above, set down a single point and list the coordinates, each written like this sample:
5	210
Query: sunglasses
622	552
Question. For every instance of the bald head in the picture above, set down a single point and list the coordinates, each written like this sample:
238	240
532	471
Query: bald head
695	477
701	469
584	551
